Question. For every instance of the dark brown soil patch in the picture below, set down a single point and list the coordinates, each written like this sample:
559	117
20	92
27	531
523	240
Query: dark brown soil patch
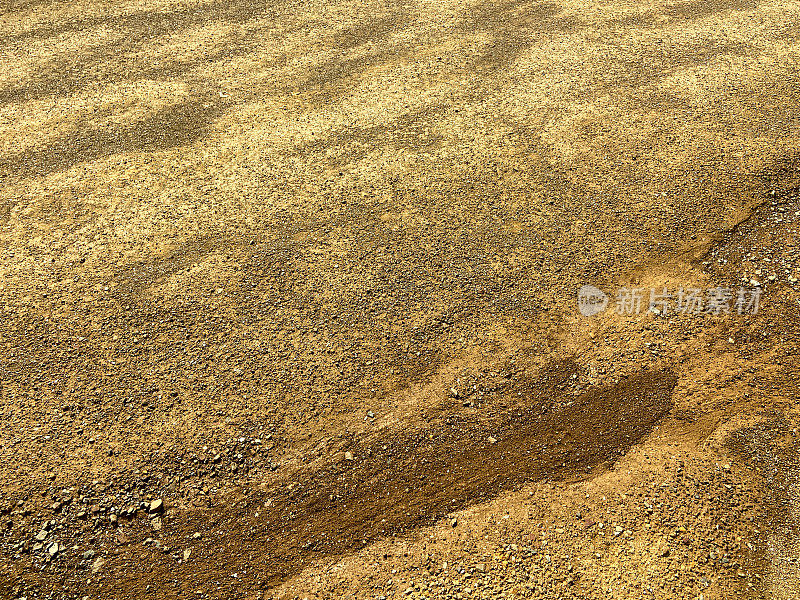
407	481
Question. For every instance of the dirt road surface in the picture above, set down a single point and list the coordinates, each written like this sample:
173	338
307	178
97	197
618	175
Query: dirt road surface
289	299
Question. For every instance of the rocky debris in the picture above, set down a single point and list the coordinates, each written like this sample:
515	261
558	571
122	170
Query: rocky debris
655	517
601	548
474	387
98	564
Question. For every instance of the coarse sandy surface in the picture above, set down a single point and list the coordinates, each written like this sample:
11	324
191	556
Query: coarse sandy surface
289	299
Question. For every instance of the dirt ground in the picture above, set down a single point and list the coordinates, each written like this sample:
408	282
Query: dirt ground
289	299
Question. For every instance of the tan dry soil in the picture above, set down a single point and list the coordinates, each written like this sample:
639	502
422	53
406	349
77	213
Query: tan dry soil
306	272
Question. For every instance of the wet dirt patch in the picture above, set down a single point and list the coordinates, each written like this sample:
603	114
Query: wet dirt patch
396	483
